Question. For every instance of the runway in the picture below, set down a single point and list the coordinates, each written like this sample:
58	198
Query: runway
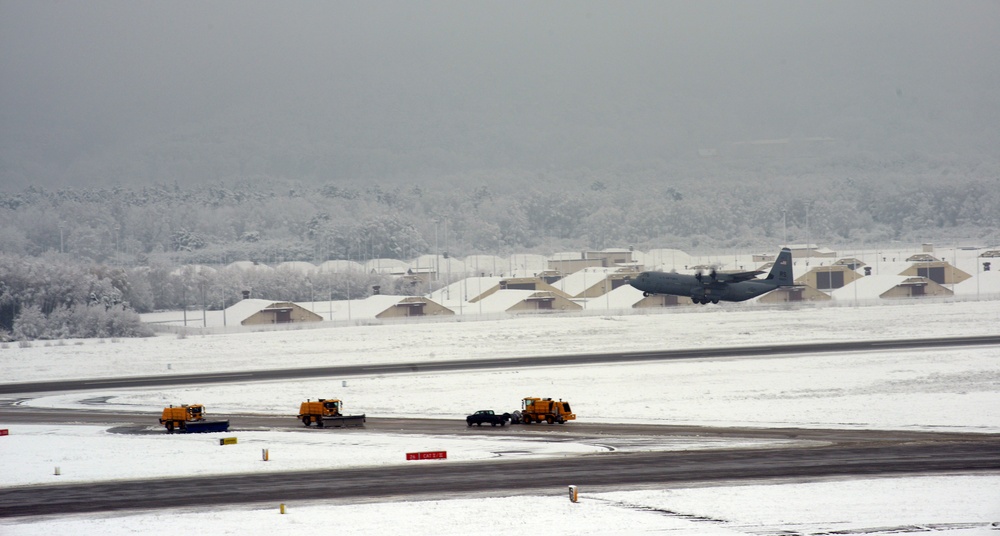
512	476
482	364
797	453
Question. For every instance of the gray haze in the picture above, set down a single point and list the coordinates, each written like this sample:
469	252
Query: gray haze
105	92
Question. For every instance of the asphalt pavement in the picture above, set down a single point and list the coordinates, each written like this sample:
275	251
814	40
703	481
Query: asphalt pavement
812	453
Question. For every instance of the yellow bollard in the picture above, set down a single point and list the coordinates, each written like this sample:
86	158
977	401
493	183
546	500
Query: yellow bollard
264	454
282	508
573	494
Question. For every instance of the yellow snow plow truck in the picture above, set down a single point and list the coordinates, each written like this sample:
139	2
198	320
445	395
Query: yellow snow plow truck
190	418
327	411
545	409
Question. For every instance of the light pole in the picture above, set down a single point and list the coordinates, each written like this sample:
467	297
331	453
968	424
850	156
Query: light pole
437	272
808	234
607	294
954	257
784	227
204	305
978	273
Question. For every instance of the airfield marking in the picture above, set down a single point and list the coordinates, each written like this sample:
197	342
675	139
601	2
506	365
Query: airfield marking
155	379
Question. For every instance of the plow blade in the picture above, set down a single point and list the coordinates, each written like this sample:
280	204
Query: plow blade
342	421
199	427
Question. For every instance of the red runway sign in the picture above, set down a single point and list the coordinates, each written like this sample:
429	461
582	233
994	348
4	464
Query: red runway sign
3	432
434	455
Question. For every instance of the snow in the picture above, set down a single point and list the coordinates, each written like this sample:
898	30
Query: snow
623	297
302	267
583	280
886	266
531	335
932	389
458	294
87	453
944	505
922	389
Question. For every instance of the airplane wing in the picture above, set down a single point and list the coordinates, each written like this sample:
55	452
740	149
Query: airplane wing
736	277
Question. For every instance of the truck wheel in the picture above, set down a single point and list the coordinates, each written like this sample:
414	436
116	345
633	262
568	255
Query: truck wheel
319	423
170	427
526	420
549	419
468	423
306	421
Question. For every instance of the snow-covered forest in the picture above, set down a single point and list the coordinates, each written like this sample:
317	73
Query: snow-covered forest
718	207
57	296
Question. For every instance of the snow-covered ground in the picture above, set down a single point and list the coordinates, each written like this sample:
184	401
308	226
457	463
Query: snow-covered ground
533	335
936	389
91	453
939	505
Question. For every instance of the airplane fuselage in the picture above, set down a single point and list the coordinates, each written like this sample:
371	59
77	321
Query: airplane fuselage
699	290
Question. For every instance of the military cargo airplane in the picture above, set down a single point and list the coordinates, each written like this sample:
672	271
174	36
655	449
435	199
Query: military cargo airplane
718	286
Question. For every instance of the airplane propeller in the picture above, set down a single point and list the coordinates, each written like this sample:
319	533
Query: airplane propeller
700	273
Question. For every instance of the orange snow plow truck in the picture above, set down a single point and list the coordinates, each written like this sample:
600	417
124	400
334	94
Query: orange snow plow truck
325	412
545	409
190	418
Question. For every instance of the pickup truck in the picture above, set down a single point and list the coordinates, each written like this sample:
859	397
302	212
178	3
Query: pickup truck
487	416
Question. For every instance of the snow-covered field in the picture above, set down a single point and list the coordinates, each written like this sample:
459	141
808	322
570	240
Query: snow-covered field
939	505
684	327
932	389
91	453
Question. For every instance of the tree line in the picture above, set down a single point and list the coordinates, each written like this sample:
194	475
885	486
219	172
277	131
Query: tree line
58	296
271	221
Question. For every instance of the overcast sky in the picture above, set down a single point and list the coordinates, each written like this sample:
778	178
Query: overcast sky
486	84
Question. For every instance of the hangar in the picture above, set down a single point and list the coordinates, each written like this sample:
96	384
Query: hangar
527	301
257	312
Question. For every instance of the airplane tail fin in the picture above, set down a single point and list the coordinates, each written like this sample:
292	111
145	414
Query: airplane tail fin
781	270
